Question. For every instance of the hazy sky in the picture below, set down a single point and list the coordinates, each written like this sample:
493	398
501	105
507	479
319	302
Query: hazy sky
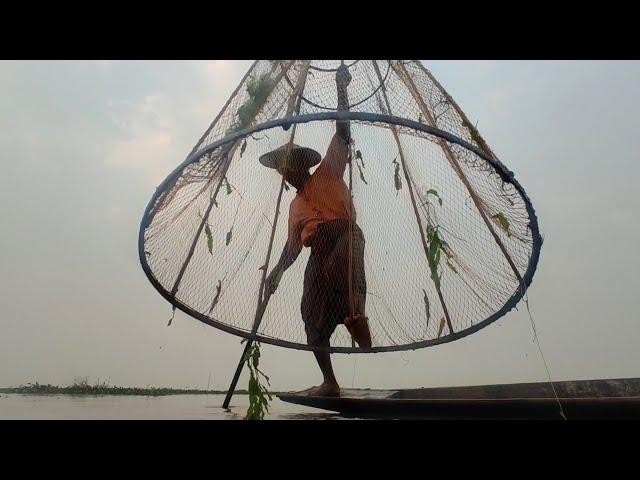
84	144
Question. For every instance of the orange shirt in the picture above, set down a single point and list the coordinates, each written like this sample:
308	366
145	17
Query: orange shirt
324	196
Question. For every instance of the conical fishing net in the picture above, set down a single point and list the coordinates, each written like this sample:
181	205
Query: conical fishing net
440	239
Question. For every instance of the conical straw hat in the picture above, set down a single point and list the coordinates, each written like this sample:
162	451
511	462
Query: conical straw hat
299	157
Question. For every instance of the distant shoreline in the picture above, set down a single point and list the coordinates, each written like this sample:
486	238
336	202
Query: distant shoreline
103	389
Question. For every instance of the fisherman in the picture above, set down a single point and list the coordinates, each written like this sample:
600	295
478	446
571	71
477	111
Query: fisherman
319	218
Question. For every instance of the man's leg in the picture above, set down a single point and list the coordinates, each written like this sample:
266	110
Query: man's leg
358	324
329	387
313	309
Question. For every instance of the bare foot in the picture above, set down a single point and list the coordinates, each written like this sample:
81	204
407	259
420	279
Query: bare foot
358	327
325	390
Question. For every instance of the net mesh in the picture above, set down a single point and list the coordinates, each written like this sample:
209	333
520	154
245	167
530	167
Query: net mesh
426	266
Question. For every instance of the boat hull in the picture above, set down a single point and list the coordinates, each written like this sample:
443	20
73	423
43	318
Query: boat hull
582	399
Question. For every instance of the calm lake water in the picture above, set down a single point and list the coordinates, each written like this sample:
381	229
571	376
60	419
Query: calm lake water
121	407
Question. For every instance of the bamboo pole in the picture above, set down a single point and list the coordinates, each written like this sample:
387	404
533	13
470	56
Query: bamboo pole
410	187
262	302
404	75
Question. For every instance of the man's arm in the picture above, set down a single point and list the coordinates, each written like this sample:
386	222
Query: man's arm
343	127
338	152
289	254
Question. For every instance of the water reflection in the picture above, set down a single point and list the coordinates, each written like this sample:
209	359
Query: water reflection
171	407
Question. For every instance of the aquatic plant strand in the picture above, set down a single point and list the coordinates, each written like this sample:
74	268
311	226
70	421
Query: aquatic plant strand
259	396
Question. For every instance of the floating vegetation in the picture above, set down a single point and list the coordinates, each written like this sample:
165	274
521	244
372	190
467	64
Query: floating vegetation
83	387
277	278
359	161
433	192
217	297
396	175
362	175
258	89
441	327
426	307
209	235
229	235
436	245
502	222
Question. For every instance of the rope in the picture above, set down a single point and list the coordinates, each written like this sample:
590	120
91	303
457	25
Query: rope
350	273
350	279
544	361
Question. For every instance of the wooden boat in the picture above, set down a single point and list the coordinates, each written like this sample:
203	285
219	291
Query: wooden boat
580	399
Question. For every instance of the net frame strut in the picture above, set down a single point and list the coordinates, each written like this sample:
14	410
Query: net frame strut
227	156
410	187
400	69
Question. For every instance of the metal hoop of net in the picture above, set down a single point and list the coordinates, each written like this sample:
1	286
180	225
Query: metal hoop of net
448	242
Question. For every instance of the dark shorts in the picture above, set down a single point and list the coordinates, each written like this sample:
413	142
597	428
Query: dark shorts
325	299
